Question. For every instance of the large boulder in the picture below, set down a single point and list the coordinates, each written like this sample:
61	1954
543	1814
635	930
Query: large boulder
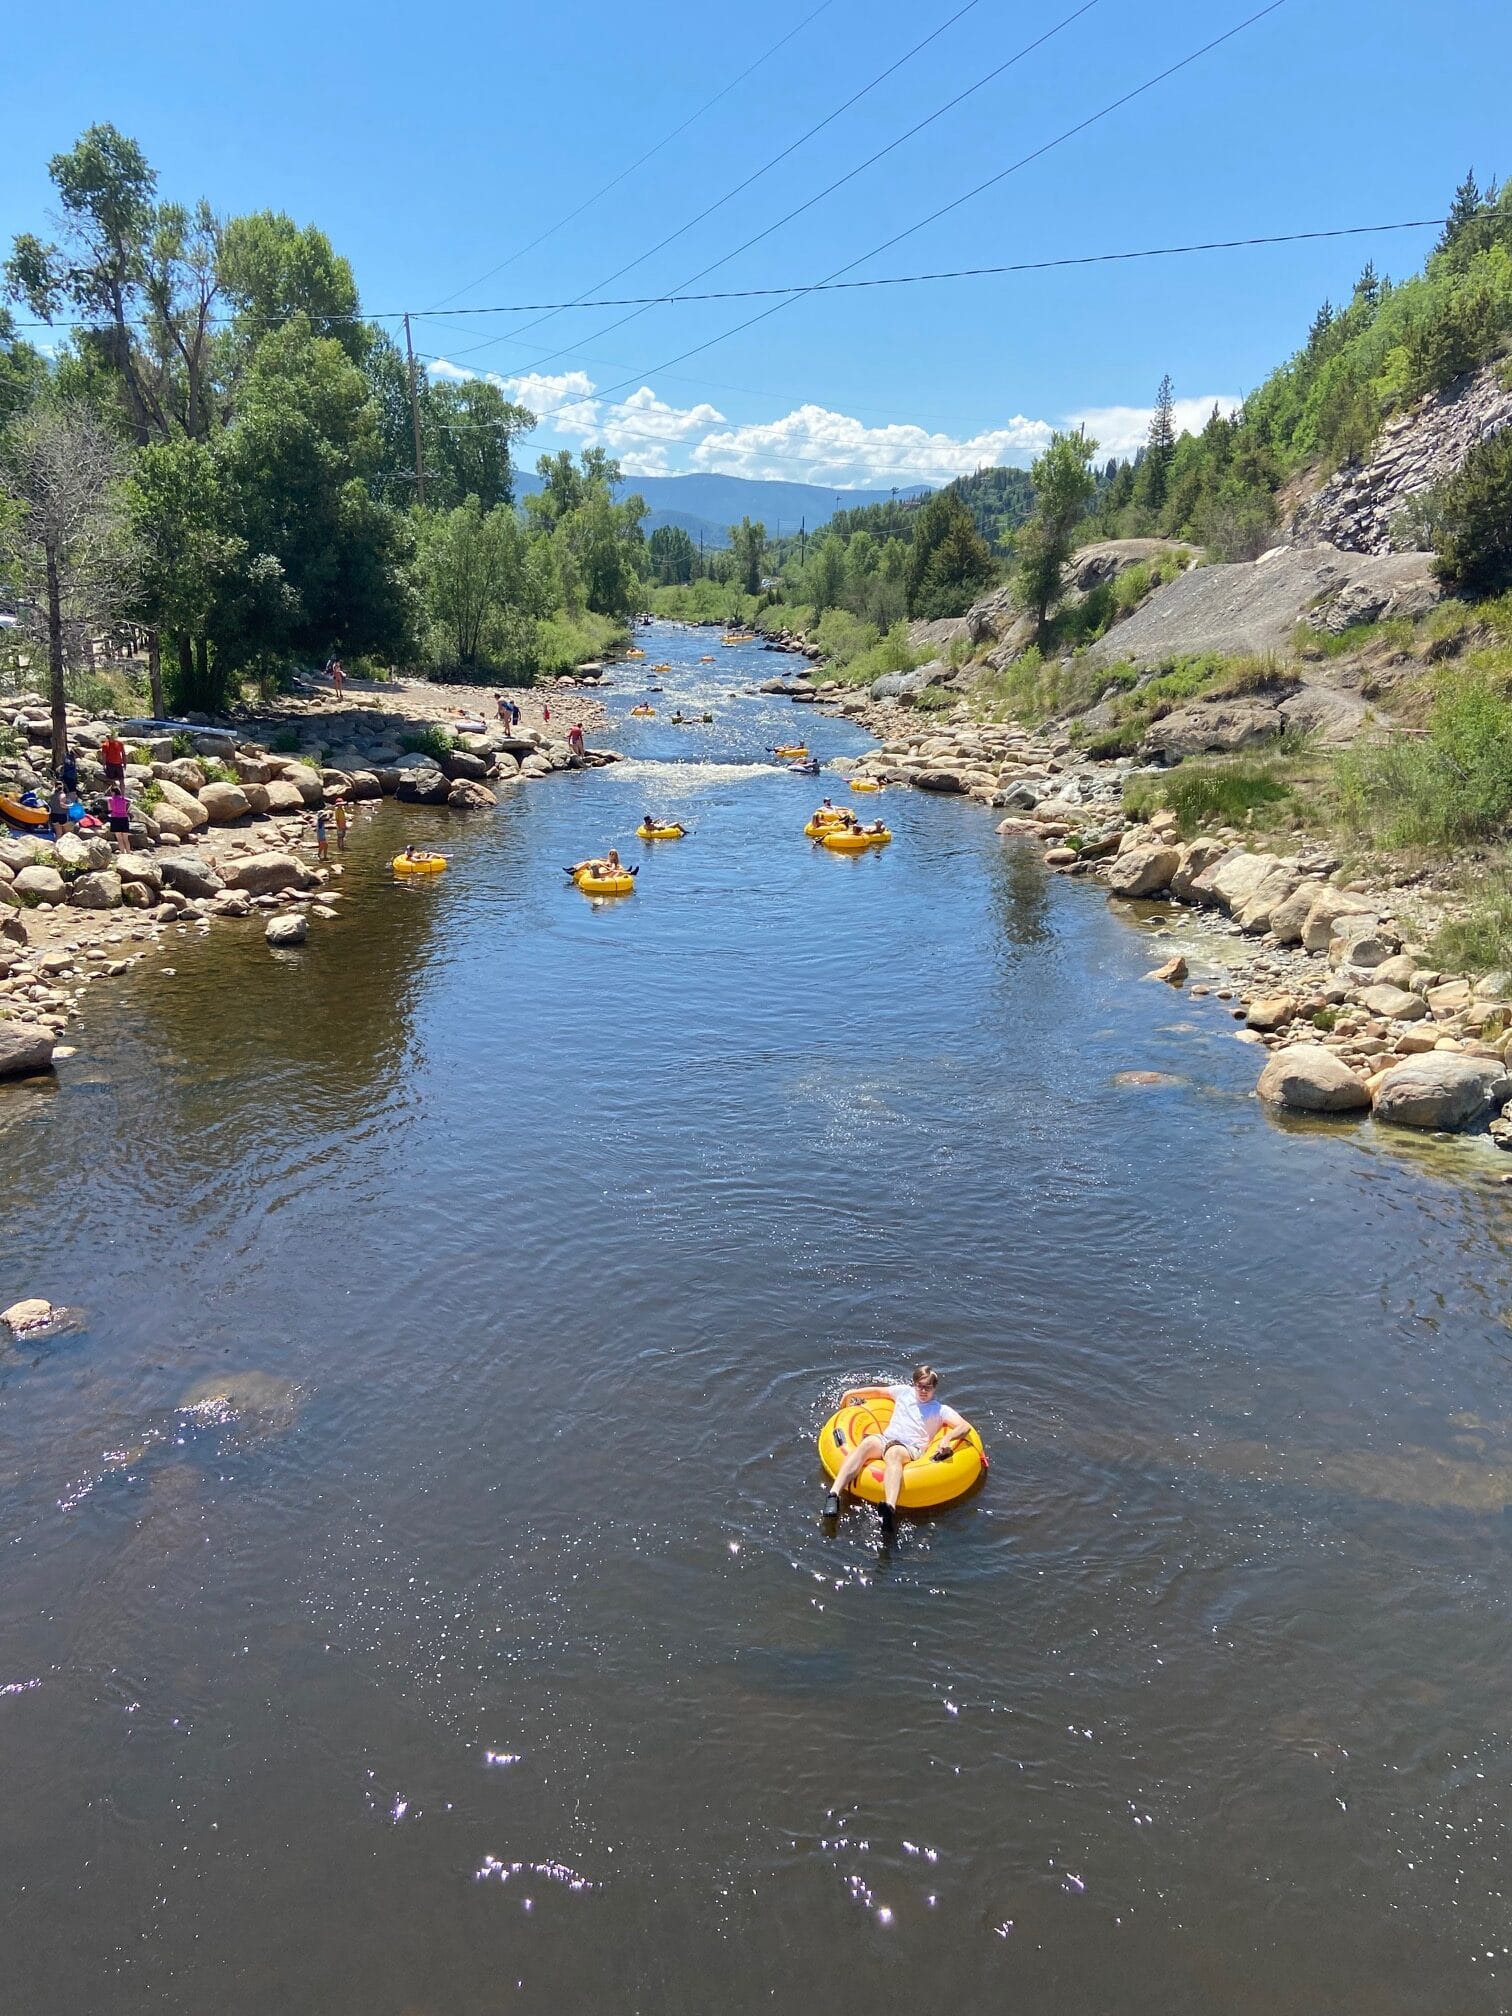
425	787
935	779
1441	1090
306	781
283	796
100	891
76	854
459	763
1289	915
186	873
170	820
1217	727
467	796
180	770
225	803
292	928
1329	907
1237	880
1309	1079
1398	1004
175	798
39	884
24	1050
1197	857
366	785
1144	871
265	874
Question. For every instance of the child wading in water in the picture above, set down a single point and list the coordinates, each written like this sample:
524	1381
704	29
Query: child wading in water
341	825
322	843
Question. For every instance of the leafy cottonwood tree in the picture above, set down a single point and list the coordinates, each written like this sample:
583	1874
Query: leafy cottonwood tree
748	546
482	593
66	538
1063	487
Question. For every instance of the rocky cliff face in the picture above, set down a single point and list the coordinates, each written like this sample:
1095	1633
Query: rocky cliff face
1355	509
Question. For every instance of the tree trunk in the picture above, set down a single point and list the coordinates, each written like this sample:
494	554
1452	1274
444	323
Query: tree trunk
155	673
55	661
202	674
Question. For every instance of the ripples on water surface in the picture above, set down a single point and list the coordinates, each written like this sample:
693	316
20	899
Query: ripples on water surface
414	1599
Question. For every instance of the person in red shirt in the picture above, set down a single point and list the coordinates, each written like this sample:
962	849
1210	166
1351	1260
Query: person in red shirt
113	756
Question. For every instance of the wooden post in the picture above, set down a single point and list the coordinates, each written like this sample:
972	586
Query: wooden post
409	351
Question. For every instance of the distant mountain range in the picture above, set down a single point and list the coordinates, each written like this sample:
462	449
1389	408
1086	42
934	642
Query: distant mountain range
708	505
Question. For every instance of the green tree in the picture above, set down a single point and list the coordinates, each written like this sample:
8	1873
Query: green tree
272	269
1160	449
1063	487
189	563
469	429
1473	536
673	556
481	592
949	563
66	545
748	545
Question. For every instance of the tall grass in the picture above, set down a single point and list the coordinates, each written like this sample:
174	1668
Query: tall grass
1448	786
1208	794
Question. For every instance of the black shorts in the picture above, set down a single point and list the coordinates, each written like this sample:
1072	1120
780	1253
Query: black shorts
118	825
115	773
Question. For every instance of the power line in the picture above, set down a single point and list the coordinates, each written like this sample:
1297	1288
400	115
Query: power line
641	160
767	166
799	287
1024	160
850	175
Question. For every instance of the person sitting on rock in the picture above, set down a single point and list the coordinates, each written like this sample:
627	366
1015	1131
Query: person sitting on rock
917	1417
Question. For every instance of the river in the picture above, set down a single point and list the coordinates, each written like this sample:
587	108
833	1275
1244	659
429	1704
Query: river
485	1649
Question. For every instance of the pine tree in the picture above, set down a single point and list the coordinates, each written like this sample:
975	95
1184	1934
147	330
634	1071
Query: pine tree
1467	201
1160	447
1367	289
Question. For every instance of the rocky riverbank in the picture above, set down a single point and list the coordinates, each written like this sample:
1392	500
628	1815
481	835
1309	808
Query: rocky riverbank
1324	971
222	827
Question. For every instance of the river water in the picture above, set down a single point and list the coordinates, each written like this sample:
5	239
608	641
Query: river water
414	1597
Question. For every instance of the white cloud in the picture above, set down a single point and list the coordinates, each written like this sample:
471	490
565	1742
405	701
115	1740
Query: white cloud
811	443
835	448
1119	430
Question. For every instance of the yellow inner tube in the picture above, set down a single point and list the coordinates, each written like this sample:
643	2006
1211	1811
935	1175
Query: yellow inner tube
855	843
864	784
791	750
925	1482
635	654
644	832
423	864
817	827
642	710
606	885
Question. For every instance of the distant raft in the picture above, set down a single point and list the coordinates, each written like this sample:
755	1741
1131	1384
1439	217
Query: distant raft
842	840
926	1483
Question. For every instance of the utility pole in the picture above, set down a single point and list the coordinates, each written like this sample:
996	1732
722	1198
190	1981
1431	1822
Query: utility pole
409	351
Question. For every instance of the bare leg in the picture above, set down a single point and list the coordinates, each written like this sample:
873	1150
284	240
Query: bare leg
864	1452
898	1460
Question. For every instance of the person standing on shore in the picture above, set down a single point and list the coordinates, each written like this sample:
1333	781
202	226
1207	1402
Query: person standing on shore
113	756
338	676
119	814
68	772
57	810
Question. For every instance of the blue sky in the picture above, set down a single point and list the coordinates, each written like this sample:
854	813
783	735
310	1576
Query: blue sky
432	148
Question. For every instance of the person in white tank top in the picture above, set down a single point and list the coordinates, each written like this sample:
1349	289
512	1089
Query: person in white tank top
917	1417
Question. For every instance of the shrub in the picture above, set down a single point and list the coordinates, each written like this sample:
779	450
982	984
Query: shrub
1451	784
1310	641
183	742
892	653
284	742
1473	536
432	740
